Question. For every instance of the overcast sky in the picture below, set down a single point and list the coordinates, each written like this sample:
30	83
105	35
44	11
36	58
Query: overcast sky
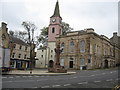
102	15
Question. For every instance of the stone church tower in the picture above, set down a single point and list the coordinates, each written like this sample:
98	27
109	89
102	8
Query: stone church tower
55	29
46	55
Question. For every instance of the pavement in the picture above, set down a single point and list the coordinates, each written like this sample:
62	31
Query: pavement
37	72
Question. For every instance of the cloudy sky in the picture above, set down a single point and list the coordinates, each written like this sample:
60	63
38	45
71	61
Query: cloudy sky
102	15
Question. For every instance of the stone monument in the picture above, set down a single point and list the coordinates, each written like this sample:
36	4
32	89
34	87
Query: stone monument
56	64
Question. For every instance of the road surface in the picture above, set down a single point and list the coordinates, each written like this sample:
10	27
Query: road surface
105	78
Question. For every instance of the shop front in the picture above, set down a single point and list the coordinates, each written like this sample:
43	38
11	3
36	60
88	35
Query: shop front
19	64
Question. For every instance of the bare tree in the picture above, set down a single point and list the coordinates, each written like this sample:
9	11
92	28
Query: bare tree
30	28
22	35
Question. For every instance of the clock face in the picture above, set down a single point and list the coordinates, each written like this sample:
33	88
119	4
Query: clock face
53	20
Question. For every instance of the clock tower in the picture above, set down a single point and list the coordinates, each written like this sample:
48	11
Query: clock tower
55	29
55	26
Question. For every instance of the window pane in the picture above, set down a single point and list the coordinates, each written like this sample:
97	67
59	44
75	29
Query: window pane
62	62
72	43
19	56
82	61
72	47
82	46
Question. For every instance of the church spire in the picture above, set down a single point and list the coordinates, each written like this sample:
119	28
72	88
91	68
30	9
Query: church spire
56	11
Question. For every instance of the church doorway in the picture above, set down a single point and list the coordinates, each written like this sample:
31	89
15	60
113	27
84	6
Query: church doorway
71	64
51	63
106	64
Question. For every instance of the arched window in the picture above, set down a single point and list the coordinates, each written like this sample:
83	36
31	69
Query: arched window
53	30
82	46
62	47
72	46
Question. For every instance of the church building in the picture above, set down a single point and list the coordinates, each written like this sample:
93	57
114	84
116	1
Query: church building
82	49
85	49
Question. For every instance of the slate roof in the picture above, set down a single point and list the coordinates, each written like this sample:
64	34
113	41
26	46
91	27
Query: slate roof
18	41
42	48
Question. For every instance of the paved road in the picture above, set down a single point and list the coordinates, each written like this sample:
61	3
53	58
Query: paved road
107	78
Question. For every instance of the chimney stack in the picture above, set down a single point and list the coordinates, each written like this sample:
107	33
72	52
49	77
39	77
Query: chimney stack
115	34
4	25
